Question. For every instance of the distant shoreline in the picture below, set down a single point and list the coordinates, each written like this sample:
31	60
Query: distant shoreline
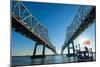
45	55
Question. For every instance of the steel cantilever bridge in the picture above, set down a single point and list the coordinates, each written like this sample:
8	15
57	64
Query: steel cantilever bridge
84	18
23	22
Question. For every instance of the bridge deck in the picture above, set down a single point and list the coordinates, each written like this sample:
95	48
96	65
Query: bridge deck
18	26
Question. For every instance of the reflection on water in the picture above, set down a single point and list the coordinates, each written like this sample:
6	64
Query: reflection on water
25	60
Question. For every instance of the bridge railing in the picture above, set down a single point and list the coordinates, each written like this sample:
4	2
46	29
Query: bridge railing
23	14
79	18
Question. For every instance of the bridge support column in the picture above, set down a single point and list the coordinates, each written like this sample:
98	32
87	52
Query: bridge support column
43	53
73	49
34	52
68	50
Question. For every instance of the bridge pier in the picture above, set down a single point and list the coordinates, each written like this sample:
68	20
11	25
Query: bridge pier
73	49
43	52
34	52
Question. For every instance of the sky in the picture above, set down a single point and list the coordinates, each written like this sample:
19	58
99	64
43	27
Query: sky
56	17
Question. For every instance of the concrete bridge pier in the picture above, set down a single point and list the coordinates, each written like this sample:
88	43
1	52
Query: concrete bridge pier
69	48
34	52
43	52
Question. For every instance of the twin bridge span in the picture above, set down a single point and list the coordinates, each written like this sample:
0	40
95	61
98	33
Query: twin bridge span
23	22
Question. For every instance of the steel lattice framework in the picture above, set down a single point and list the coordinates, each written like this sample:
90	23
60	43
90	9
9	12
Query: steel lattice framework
23	15
83	19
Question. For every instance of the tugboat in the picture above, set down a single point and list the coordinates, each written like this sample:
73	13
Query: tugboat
84	56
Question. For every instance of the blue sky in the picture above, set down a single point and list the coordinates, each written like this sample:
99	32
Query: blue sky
56	17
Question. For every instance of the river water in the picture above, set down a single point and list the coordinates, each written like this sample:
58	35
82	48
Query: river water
54	59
